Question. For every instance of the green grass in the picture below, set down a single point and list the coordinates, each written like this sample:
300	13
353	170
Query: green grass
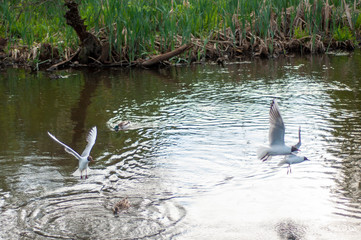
136	27
300	33
344	34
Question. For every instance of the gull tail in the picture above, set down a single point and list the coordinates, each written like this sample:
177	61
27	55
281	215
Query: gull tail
263	153
77	172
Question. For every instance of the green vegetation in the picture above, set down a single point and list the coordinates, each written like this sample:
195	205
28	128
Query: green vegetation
140	28
343	34
300	33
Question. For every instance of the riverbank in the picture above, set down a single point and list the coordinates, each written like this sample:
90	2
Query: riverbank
130	33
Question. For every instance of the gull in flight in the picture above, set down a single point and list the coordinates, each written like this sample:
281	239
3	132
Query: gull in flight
84	158
276	136
292	158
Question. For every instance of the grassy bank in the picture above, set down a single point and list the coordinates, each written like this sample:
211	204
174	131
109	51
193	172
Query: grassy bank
142	28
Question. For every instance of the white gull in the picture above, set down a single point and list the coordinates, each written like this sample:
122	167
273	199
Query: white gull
276	136
85	157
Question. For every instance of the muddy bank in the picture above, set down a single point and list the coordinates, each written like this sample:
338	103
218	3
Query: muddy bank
46	57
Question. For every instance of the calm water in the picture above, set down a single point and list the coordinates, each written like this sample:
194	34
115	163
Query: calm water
188	163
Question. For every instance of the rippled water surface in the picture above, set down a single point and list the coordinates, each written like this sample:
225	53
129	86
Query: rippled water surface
188	162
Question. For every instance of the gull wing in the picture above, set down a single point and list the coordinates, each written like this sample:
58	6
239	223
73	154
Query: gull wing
277	127
92	136
66	148
298	145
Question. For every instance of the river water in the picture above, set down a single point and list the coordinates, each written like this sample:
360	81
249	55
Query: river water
188	162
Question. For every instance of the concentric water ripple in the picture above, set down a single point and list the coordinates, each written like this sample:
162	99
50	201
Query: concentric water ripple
80	215
188	162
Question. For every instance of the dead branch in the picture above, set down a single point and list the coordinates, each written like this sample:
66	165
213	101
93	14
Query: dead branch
63	63
162	57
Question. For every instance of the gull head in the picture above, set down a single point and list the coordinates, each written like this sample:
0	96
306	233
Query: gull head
294	149
90	159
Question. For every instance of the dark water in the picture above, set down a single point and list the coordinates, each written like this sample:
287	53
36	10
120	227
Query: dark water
188	162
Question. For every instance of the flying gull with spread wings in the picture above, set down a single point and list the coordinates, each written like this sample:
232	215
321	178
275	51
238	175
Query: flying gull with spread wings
85	157
276	136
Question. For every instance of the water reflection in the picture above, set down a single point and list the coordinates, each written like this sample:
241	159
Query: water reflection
345	120
79	112
188	162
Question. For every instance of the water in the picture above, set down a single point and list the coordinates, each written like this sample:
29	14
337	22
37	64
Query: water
188	162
